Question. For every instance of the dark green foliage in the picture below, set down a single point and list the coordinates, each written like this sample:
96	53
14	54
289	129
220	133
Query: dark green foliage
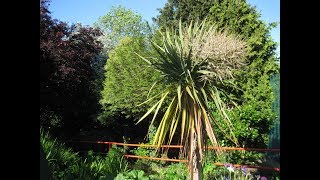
235	15
142	151
239	17
61	159
186	10
211	171
158	170
66	164
132	175
175	171
251	124
128	80
254	95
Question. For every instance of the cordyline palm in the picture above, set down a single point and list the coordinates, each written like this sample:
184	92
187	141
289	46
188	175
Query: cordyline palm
191	61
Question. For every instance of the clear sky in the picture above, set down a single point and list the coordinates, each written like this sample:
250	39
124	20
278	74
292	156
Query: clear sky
88	11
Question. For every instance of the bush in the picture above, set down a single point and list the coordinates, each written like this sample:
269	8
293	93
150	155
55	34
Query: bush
66	164
62	161
115	162
132	175
175	171
128	81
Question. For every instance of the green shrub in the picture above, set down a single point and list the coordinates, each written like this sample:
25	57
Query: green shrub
132	175
158	171
142	151
66	164
115	162
62	161
128	81
175	171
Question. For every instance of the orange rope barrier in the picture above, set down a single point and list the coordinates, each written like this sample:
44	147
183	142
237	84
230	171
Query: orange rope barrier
185	161
179	146
146	145
153	158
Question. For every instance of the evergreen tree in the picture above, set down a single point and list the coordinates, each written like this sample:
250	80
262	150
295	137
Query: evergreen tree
128	80
251	88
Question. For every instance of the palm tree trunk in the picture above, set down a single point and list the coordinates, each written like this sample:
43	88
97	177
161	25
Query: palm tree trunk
195	166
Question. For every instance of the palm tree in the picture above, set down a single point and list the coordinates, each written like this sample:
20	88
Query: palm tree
191	60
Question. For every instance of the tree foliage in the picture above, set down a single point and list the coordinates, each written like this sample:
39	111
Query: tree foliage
66	72
253	93
186	10
118	23
256	97
128	80
67	164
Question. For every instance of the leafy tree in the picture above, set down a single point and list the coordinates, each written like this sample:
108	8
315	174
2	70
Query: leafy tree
257	95
118	23
124	89
128	80
186	10
66	73
253	93
191	61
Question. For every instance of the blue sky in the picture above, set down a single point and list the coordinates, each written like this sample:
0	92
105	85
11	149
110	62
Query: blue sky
88	11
